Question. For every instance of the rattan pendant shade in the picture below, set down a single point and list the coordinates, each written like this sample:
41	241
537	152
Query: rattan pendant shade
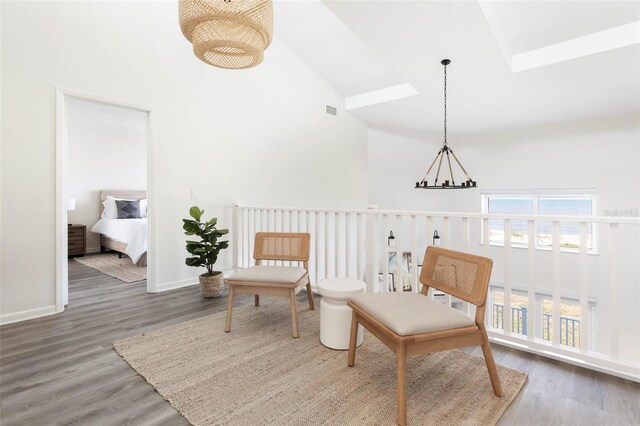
228	33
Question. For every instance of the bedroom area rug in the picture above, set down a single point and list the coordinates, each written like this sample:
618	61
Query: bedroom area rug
259	374
109	263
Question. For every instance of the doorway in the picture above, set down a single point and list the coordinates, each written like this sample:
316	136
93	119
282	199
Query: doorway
105	201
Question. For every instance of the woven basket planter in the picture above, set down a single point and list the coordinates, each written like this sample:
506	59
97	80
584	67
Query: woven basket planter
212	285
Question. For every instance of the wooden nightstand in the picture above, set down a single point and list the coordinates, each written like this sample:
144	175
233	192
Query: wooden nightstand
77	242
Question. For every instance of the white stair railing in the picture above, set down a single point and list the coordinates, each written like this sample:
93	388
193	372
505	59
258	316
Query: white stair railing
353	243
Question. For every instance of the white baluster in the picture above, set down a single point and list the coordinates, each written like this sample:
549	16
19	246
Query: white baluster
399	271
445	237
429	236
236	237
372	263
584	291
385	263
507	315
348	244
316	253
337	247
359	246
556	288
465	247
531	289
415	285
485	237
614	313
485	253
326	244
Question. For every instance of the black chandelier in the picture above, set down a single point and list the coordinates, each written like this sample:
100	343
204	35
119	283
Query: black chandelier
445	150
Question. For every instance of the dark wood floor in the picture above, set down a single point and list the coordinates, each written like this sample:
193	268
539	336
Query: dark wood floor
63	370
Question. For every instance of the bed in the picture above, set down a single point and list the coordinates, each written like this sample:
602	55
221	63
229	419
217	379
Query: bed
126	236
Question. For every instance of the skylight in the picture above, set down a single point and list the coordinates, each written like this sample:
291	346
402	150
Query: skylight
379	96
613	38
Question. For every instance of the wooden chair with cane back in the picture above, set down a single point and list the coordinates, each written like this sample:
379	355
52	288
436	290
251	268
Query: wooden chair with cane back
270	280
412	323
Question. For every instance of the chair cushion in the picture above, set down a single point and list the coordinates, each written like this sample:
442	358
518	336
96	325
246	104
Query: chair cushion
411	313
269	274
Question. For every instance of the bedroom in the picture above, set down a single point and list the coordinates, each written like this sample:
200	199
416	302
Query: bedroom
106	172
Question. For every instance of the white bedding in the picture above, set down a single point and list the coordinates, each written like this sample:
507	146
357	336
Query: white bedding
132	232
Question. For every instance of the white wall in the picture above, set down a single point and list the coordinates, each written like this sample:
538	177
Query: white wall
107	150
257	136
603	155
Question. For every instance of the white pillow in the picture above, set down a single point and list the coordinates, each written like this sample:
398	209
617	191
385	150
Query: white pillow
110	210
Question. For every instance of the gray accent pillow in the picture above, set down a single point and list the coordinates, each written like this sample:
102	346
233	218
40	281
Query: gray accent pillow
128	209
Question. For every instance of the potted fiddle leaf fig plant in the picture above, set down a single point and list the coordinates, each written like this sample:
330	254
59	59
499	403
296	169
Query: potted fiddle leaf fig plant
205	252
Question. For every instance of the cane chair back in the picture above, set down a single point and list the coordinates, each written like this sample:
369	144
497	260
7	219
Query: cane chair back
461	275
282	246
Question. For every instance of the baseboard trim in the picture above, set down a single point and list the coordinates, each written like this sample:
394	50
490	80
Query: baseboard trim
173	285
27	315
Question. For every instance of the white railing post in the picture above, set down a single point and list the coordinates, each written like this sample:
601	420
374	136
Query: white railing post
507	316
465	247
556	287
236	237
445	237
316	237
359	246
385	260
614	305
372	251
326	244
531	283
430	230
485	253
336	244
415	283
584	293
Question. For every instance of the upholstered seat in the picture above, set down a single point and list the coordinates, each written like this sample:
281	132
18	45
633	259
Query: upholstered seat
270	274
411	313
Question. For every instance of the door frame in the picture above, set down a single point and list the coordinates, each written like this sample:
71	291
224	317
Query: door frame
62	173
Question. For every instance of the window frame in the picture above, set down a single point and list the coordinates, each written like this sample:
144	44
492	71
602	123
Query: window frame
535	196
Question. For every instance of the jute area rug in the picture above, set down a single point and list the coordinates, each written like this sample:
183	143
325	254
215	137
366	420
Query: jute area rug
109	263
259	375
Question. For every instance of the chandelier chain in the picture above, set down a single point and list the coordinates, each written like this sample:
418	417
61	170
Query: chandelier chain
445	105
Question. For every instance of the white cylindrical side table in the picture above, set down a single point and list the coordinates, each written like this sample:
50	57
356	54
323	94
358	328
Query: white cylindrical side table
335	315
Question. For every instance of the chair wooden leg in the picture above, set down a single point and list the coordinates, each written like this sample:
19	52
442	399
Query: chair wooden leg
401	385
294	313
227	325
256	300
491	365
353	337
310	296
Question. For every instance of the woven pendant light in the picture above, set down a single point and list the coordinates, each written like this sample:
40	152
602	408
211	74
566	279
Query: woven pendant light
228	33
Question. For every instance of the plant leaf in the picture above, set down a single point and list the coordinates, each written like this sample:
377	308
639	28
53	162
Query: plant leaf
194	261
196	213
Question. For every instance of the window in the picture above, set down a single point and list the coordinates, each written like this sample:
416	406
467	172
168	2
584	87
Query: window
569	232
539	204
500	205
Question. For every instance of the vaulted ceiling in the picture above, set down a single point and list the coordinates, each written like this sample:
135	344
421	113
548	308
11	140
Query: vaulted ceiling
579	59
